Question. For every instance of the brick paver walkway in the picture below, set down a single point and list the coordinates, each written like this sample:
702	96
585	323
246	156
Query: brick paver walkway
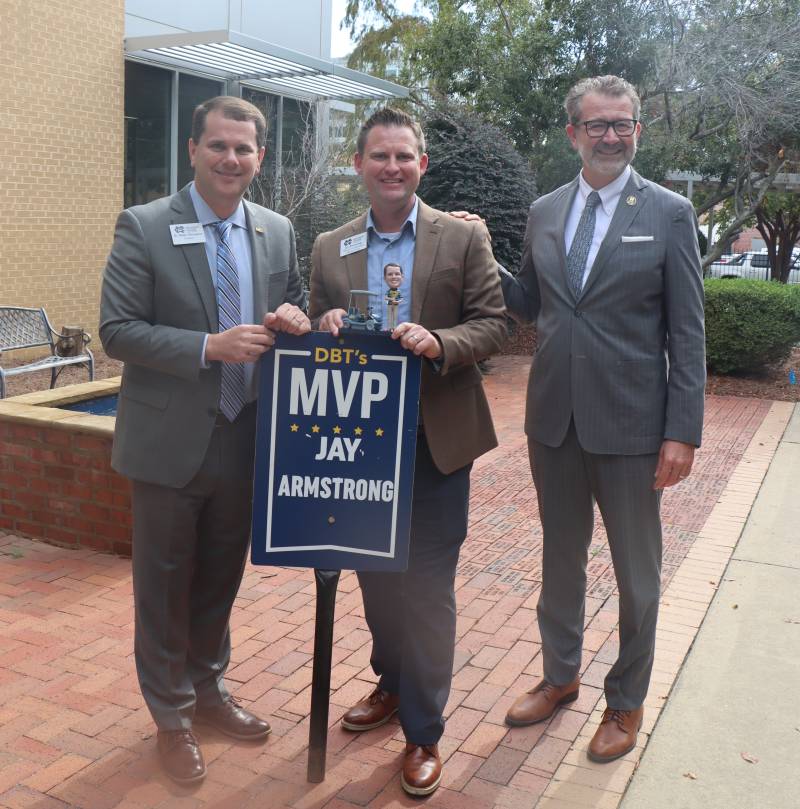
74	731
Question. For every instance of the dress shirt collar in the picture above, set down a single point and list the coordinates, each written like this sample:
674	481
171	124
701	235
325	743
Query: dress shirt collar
609	194
411	218
205	216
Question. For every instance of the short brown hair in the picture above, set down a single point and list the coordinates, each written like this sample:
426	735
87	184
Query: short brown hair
602	85
389	116
237	109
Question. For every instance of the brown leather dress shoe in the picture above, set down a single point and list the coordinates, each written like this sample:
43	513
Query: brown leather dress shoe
422	769
233	720
376	710
541	703
616	735
181	756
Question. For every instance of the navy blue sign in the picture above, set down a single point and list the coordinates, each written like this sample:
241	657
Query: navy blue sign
337	426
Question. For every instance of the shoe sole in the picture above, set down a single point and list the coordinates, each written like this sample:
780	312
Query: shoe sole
606	759
358	728
419	791
241	737
523	723
184	782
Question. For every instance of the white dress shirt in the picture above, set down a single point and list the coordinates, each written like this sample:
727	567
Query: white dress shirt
609	198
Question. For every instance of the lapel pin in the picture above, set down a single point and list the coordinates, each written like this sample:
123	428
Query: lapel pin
631	200
259	230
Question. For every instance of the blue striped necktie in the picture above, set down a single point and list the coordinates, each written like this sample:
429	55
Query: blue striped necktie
581	242
229	305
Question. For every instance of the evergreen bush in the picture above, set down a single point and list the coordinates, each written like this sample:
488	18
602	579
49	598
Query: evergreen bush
474	167
750	325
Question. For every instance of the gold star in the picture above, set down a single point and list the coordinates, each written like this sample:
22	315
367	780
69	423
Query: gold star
295	428
315	428
337	429
358	431
379	432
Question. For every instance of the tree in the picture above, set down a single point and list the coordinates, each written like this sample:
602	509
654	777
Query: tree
474	167
778	221
310	188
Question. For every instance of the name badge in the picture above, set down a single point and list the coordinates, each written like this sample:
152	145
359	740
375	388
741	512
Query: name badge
190	233
352	244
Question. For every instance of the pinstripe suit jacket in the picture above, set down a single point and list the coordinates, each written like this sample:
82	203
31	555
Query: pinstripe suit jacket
625	358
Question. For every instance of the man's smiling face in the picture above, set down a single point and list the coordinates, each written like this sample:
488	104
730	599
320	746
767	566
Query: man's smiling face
391	168
604	159
225	161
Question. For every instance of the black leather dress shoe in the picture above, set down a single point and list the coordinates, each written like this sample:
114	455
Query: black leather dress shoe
181	756
231	719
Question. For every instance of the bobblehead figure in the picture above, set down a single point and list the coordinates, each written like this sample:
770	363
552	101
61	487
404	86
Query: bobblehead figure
393	275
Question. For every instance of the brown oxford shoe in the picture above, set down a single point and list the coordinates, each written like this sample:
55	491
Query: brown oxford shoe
180	756
376	710
422	769
233	720
541	703
616	735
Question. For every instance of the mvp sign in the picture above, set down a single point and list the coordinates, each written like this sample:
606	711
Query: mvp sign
337	426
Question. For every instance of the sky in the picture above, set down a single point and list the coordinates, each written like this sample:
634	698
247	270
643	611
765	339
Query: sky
340	40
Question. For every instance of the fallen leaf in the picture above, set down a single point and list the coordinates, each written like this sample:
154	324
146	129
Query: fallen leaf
749	758
690	775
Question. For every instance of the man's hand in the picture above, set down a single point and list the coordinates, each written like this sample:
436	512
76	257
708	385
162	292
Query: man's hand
674	463
288	318
467	216
415	338
245	343
332	321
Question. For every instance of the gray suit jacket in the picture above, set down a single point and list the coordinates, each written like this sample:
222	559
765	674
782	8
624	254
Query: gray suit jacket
158	302
626	359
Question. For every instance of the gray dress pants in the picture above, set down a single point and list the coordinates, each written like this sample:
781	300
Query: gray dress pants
568	482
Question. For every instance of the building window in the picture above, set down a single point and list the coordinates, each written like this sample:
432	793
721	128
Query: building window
147	133
192	90
262	191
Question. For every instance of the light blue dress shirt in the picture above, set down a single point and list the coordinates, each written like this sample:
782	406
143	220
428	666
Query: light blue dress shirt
240	245
392	248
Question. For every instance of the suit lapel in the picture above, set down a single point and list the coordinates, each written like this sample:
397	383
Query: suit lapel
259	250
356	263
631	202
183	212
426	244
563	208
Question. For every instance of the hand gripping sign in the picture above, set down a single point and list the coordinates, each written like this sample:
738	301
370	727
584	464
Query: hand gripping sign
337	426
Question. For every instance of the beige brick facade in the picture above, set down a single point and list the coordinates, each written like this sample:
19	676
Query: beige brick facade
61	152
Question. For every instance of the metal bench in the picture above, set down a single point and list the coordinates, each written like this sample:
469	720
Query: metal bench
29	328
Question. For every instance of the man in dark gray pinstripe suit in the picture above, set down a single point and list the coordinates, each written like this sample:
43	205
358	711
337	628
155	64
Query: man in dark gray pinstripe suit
611	275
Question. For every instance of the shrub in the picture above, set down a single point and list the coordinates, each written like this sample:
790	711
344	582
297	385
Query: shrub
750	325
474	167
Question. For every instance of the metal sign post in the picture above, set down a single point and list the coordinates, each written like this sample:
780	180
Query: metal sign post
334	469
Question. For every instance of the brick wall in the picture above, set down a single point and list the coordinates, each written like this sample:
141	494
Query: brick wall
58	485
61	152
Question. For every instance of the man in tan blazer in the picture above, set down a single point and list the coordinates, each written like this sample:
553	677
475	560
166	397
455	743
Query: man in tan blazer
451	314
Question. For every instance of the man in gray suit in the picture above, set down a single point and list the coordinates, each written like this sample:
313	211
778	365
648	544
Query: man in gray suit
611	275
194	289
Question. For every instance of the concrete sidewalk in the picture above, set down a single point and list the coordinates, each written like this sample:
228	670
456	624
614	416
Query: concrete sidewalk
730	733
74	731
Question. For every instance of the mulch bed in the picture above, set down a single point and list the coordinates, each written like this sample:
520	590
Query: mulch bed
773	384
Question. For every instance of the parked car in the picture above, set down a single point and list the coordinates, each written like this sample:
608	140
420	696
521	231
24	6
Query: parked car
752	265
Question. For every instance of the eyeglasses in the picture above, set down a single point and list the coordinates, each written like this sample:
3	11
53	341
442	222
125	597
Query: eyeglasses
623	128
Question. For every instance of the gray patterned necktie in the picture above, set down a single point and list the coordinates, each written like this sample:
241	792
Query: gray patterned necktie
232	394
581	242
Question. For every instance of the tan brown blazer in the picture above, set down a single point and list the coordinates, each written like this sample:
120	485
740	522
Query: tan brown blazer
455	293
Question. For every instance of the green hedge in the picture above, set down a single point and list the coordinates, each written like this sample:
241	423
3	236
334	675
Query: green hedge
750	325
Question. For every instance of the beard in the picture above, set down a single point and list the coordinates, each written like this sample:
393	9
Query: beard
608	161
